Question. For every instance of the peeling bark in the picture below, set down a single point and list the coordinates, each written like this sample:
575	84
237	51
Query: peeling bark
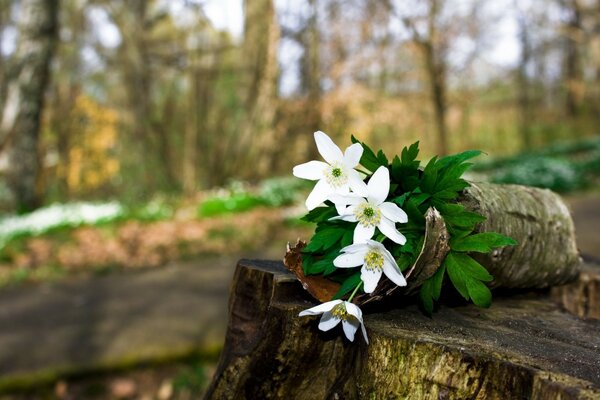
522	347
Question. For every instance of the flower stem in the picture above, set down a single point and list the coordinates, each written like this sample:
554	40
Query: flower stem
363	172
355	290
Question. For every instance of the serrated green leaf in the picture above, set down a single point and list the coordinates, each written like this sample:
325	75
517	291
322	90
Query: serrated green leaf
480	294
348	285
324	238
320	214
457	276
472	268
437	279
401	199
458	158
382	159
481	242
430	174
368	159
465	219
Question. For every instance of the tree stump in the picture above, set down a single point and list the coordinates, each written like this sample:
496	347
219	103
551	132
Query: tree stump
524	346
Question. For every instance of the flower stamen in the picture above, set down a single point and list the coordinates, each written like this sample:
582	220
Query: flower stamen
339	312
367	215
374	260
336	176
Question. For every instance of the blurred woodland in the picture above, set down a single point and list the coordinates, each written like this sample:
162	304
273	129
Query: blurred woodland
128	98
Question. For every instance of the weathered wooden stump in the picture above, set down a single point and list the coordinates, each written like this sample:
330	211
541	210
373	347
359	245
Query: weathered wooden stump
523	347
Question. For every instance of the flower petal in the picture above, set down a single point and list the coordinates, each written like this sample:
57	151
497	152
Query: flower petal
354	310
350	328
355	248
363	233
370	278
393	273
352	155
319	194
349	260
393	212
311	170
328	321
364	332
357	185
388	228
379	185
328	150
321	308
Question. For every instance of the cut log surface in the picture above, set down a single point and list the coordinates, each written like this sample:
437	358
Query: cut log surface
523	347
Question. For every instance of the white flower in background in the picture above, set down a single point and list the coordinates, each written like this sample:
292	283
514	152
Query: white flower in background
375	261
373	211
336	175
337	311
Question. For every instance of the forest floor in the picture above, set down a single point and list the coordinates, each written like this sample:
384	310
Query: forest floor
168	323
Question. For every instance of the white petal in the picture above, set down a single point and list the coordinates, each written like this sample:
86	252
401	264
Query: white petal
393	212
321	308
346	217
352	155
393	273
328	321
370	278
379	185
357	185
319	194
312	170
349	260
353	310
388	228
363	233
350	328
355	248
328	150
364	332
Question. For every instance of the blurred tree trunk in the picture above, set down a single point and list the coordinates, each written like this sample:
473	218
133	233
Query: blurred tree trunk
523	84
259	52
310	74
573	69
20	125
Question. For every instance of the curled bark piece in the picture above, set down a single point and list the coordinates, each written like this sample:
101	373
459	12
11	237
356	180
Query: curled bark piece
538	219
319	287
434	250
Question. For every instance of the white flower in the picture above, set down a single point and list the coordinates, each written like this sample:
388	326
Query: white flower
338	310
375	261
374	212
337	175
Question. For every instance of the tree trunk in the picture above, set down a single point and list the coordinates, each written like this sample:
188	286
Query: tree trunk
22	111
572	75
521	347
523	85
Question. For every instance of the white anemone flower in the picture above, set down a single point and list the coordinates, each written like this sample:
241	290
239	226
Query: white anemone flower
337	311
335	176
375	260
373	211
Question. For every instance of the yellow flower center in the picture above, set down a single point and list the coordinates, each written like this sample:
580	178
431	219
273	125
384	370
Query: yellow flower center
339	312
367	215
374	260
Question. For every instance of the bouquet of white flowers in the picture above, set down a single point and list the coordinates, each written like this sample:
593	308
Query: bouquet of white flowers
383	225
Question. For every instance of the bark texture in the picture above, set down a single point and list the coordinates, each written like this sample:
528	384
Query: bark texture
538	219
581	297
20	126
522	347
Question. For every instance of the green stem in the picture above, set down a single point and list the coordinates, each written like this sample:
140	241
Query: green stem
355	290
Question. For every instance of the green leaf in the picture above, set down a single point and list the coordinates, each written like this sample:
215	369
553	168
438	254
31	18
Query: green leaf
480	294
437	279
457	276
409	155
320	214
458	158
471	267
382	159
465	219
368	159
425	293
348	285
430	174
481	242
324	238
